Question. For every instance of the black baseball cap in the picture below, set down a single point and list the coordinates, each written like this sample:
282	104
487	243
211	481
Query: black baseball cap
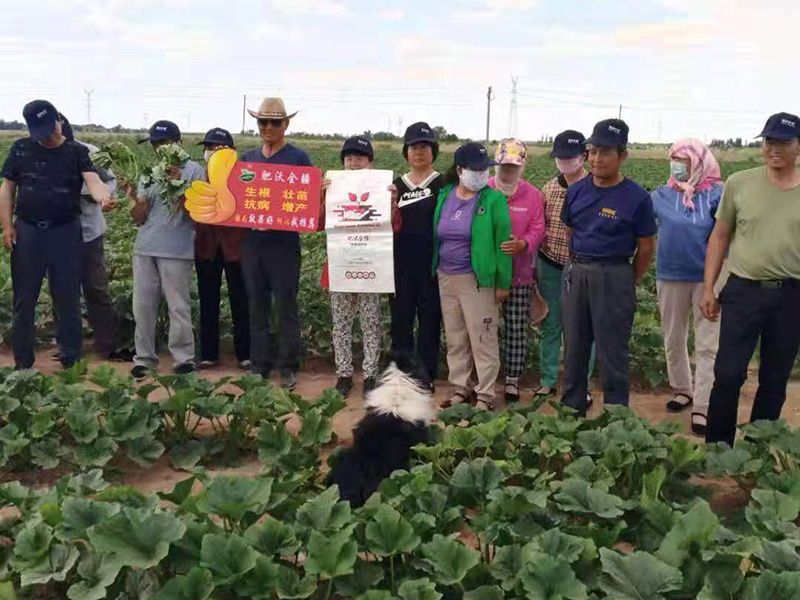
66	128
41	117
781	126
609	133
419	132
217	137
568	144
357	144
473	156
162	130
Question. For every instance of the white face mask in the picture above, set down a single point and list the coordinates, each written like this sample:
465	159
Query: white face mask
207	154
679	170
568	166
474	180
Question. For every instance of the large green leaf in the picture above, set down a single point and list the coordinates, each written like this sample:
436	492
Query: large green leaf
140	538
365	577
145	450
559	545
7	591
485	592
780	556
54	566
290	587
81	418
638	576
197	584
331	555
272	537
451	560
316	429
260	581
726	461
97	453
97	573
390	533
79	514
507	565
576	495
232	497
32	543
228	557
12	440
324	512
46	453
418	589
775	586
273	441
696	528
136	422
547	578
475	479
185	456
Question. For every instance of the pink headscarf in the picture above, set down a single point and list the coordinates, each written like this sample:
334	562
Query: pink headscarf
703	169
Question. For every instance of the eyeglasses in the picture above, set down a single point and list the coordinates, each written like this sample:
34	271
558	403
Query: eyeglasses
270	122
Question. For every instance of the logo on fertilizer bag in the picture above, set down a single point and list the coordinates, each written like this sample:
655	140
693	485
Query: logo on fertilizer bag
246	175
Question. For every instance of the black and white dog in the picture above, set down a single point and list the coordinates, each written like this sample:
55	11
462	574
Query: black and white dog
399	410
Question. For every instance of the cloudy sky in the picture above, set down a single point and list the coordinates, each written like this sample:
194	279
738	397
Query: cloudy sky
707	68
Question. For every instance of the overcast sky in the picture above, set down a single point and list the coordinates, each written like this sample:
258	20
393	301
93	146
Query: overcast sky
706	68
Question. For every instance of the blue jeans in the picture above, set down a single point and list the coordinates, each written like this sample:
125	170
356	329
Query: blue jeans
56	252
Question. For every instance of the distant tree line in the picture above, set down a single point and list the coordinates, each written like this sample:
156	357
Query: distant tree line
732	143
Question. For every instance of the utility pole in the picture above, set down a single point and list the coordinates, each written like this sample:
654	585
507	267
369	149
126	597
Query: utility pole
489	98
619	116
244	110
513	123
88	105
188	120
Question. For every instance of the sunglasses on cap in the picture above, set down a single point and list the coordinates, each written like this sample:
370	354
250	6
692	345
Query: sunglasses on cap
267	122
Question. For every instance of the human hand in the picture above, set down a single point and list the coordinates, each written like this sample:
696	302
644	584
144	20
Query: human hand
9	237
500	295
213	202
139	212
709	304
514	245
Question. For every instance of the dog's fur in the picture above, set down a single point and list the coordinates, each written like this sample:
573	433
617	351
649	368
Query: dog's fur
399	410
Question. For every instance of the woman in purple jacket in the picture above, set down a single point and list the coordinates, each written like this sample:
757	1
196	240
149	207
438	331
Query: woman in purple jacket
526	207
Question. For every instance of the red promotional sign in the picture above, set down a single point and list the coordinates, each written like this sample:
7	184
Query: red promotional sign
272	196
256	195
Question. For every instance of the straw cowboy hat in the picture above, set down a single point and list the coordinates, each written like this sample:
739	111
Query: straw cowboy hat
271	108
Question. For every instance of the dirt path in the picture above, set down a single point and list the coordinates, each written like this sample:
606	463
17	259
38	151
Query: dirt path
314	380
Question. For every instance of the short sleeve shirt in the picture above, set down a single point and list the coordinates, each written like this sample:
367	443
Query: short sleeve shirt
766	226
48	180
606	223
417	204
167	233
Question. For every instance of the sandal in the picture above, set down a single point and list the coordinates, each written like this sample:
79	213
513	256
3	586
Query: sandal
544	392
512	393
589	400
699	428
679	402
458	397
484	405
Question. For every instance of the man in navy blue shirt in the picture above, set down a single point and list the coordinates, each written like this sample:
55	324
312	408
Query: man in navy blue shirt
611	221
271	259
42	180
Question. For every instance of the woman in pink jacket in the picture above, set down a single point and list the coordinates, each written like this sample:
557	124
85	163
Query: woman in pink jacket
526	206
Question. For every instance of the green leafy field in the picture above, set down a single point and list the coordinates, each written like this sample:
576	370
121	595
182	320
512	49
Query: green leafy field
647	356
524	504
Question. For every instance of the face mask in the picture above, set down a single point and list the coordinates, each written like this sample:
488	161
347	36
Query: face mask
474	180
679	170
207	154
567	166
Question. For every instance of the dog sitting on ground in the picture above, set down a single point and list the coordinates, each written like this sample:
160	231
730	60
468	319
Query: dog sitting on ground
399	410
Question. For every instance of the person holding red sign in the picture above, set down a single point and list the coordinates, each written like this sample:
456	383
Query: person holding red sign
271	259
218	249
357	153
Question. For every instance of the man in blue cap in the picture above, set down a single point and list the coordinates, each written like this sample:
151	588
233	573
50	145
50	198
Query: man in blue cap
42	180
217	249
758	228
611	221
162	265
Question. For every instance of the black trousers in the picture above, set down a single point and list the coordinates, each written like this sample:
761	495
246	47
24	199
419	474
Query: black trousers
753	311
56	252
598	302
416	300
209	283
271	269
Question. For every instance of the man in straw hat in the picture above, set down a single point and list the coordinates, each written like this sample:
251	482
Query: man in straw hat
271	259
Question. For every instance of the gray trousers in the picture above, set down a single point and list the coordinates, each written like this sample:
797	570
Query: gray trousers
172	278
598	301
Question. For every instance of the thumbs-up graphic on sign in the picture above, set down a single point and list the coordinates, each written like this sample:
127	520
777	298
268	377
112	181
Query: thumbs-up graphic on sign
213	202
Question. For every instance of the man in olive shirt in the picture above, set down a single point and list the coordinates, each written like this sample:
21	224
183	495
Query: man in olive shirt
758	224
